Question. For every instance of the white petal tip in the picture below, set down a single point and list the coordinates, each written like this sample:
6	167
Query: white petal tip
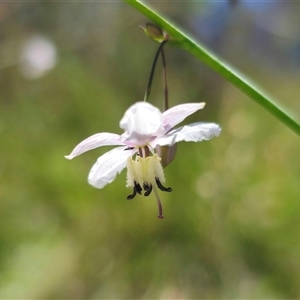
69	157
95	185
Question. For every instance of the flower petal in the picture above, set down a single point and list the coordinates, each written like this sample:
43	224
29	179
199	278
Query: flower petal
107	167
178	113
194	132
141	122
95	141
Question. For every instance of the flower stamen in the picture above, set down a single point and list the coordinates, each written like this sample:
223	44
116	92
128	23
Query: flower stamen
136	189
130	197
147	189
161	187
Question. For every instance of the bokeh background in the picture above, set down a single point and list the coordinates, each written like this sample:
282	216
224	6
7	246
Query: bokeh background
232	223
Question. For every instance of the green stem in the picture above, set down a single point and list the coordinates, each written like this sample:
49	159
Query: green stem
217	65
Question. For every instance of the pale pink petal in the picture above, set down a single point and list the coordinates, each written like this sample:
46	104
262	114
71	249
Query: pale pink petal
107	167
195	132
141	122
95	141
178	113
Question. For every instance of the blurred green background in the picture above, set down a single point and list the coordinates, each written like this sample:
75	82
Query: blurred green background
232	223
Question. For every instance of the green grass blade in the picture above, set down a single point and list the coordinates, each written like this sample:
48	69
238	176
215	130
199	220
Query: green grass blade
217	65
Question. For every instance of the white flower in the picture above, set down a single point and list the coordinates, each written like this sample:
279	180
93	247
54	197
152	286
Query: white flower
144	127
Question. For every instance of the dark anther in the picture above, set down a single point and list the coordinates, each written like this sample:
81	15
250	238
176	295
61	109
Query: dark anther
129	148
130	197
162	187
147	189
137	188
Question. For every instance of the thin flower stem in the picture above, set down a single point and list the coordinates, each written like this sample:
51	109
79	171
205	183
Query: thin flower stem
148	90
160	211
166	92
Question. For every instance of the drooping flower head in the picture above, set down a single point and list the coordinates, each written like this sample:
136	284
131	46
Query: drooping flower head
145	127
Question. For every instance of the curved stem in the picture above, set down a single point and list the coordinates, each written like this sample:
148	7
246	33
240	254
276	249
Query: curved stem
166	92
148	90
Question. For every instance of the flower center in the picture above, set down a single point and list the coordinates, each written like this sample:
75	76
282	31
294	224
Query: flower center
145	172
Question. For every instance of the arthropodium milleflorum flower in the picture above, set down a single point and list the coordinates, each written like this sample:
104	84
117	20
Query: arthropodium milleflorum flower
144	127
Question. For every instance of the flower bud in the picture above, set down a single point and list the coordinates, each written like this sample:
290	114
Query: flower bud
166	153
154	33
